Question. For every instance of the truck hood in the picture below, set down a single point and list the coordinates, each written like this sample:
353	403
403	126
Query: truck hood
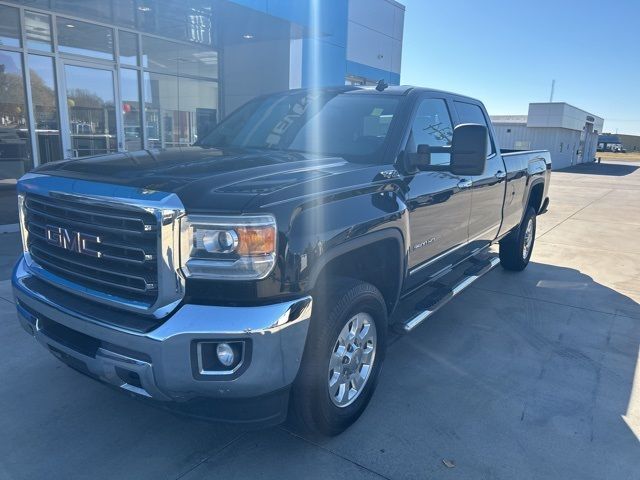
207	179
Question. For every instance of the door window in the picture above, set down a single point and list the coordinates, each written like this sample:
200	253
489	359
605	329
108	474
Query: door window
471	113
432	126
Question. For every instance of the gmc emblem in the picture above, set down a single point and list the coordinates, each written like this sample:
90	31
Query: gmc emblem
72	240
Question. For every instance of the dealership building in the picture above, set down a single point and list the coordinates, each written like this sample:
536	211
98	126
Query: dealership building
89	77
569	133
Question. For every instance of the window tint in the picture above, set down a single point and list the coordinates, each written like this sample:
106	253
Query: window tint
470	113
432	126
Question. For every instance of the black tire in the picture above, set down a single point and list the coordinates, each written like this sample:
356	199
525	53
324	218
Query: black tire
512	247
312	408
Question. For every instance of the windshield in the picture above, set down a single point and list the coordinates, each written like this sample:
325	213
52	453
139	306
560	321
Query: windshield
353	126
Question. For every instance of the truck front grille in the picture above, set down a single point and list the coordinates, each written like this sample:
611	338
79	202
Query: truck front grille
109	249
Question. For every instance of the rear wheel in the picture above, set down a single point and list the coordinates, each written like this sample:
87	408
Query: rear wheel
342	359
516	248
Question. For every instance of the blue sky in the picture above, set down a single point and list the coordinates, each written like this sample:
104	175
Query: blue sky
507	52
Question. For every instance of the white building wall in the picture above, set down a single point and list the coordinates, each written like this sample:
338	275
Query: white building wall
557	127
561	115
562	143
375	33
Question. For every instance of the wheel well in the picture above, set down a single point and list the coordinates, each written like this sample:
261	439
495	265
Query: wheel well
535	197
378	263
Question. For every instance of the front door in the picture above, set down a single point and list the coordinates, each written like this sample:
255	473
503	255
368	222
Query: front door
439	202
90	104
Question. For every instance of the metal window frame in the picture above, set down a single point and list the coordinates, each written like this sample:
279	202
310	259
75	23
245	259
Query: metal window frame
61	58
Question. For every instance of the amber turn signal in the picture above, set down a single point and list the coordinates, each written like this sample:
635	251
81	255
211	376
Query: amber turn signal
258	240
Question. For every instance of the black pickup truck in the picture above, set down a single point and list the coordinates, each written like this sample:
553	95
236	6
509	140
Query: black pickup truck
258	273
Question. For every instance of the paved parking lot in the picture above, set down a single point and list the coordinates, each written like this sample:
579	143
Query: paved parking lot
529	375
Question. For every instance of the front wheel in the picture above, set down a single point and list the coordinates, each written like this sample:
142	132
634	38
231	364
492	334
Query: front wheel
342	359
516	248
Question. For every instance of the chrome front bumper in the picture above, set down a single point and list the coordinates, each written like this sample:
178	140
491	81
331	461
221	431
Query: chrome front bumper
162	359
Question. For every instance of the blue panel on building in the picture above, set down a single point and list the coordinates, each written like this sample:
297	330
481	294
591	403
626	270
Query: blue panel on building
325	50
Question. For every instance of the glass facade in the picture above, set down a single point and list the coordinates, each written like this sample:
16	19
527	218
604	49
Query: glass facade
93	77
44	97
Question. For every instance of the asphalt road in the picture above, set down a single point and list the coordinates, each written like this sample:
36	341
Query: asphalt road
529	375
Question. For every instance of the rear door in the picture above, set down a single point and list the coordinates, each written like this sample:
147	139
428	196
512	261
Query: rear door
439	202
488	190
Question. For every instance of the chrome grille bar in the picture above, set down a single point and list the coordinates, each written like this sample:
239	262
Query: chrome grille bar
114	251
114	244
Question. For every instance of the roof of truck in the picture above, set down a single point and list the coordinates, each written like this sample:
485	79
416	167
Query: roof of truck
390	90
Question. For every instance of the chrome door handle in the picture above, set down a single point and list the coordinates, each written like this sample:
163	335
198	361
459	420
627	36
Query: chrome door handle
465	184
500	175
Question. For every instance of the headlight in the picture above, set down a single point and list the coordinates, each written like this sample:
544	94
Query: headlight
228	248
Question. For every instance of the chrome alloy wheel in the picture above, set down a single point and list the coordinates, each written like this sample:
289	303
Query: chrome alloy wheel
352	359
528	239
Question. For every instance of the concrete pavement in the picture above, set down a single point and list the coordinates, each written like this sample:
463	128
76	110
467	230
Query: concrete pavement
527	375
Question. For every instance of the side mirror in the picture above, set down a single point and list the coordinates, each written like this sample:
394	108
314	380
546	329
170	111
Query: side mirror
420	159
469	149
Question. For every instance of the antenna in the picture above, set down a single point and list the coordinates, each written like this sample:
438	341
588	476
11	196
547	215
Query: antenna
382	85
553	88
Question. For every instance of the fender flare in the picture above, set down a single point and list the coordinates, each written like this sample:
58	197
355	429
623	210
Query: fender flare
535	182
389	233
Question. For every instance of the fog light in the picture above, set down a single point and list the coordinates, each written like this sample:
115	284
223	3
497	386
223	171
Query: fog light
225	354
219	358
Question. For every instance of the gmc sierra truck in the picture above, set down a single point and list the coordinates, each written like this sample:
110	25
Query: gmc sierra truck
257	274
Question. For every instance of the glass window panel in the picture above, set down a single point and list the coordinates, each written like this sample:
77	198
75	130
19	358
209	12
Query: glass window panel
432	126
91	9
160	55
198	104
169	57
92	113
38	28
45	108
186	21
178	110
470	113
129	94
128	48
87	39
15	149
124	12
9	26
198	61
161	110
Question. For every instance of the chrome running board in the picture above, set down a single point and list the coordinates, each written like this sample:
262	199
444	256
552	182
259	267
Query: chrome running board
417	319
